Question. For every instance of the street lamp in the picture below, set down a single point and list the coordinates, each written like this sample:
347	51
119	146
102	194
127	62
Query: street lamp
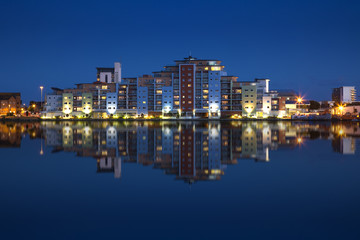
341	109
299	101
41	89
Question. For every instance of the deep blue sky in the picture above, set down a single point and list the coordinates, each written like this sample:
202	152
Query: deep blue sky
311	46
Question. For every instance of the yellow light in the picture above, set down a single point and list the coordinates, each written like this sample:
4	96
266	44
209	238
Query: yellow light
215	68
341	108
299	100
299	140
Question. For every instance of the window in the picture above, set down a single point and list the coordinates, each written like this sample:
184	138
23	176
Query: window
215	68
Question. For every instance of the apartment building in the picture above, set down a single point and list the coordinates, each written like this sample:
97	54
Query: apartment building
345	94
10	103
189	88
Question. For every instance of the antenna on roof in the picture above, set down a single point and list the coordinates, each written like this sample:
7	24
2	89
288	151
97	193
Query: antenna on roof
190	53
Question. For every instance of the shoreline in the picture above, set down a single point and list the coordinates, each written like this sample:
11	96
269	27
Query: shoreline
172	120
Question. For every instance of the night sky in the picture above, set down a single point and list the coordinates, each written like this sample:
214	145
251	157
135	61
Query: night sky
308	46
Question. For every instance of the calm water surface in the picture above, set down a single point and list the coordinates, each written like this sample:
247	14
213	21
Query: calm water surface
179	180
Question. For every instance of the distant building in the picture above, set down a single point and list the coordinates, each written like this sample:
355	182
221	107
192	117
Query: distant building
351	109
10	103
36	106
346	94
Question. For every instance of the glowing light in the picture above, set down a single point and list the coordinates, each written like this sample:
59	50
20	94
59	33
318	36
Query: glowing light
341	132
87	111
299	100
299	140
215	68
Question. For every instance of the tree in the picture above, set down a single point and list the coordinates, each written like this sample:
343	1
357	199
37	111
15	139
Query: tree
314	105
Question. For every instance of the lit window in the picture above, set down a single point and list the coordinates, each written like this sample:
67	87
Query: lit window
215	68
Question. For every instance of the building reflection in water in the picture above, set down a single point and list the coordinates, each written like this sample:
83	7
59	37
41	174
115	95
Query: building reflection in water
345	135
11	133
191	151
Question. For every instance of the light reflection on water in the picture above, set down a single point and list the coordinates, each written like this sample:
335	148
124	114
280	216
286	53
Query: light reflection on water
189	150
230	163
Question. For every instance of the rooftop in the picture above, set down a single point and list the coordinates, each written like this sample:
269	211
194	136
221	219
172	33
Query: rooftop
6	96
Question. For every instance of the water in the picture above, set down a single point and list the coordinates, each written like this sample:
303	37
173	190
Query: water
179	180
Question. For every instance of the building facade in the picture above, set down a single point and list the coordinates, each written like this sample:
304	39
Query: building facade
189	88
345	94
10	103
